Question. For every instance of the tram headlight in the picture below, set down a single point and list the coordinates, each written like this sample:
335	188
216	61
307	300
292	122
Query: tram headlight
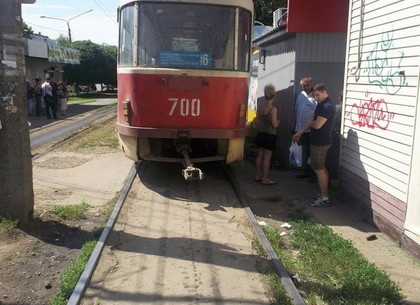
126	110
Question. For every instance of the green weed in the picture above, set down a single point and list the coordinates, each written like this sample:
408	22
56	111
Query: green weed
336	272
101	136
70	277
73	211
8	224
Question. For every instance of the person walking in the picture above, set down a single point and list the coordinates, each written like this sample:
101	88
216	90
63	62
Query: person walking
304	112
321	140
266	139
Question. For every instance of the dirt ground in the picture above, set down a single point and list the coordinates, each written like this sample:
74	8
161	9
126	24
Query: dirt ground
33	257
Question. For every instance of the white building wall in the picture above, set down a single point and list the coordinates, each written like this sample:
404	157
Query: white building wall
381	101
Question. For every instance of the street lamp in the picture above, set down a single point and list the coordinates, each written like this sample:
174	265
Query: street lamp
67	20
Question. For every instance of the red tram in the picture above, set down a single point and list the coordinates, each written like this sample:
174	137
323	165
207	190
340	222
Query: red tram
183	77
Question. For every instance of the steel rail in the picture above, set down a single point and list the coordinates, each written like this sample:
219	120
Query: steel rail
68	127
280	269
90	267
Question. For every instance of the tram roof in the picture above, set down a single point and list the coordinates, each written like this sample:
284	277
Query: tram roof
247	4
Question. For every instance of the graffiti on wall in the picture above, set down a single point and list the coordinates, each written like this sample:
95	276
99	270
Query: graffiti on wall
384	70
384	66
371	113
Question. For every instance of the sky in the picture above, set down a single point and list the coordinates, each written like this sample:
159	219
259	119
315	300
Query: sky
99	26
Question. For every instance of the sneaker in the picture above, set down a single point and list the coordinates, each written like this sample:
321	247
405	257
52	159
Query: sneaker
319	202
316	197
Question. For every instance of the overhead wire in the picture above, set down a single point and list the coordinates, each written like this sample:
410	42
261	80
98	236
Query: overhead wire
43	27
105	10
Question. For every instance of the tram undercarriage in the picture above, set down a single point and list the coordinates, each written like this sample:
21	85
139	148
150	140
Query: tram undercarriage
184	150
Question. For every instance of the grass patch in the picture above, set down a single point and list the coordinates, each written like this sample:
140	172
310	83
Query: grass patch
8	224
278	293
277	290
331	270
80	100
70	277
100	136
73	211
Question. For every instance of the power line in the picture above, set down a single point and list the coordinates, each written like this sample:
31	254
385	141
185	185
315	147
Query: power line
105	10
43	27
103	5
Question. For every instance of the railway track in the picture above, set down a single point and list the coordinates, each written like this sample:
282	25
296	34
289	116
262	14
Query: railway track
226	205
169	241
57	133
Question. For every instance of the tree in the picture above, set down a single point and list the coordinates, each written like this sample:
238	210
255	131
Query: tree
16	188
98	64
264	9
27	30
63	41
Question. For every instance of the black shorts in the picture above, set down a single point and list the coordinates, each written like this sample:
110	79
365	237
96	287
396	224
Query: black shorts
266	140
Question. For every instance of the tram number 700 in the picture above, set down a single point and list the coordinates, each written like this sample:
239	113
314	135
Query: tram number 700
185	106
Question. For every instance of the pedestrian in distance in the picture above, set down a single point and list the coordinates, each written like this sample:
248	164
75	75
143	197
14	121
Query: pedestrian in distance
48	99
266	139
321	139
62	96
38	97
304	112
30	94
54	90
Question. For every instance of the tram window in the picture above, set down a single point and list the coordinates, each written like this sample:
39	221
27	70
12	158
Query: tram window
244	40
126	36
186	36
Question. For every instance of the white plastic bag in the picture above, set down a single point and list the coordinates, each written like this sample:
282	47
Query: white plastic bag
295	155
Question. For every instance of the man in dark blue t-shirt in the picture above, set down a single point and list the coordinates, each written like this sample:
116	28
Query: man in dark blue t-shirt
321	140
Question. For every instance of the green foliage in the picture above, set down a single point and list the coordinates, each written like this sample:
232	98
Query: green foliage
337	272
63	41
277	290
73	211
8	224
26	30
98	63
331	270
68	280
264	9
102	136
277	243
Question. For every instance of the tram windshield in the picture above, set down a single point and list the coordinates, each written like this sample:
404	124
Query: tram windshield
191	36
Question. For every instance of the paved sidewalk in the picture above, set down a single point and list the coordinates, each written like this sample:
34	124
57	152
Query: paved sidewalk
270	202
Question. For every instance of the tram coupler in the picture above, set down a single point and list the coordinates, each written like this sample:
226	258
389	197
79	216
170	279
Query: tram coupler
190	172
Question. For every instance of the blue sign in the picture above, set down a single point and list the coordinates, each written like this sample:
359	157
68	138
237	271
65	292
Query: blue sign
185	59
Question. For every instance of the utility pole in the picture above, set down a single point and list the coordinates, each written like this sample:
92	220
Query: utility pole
16	186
